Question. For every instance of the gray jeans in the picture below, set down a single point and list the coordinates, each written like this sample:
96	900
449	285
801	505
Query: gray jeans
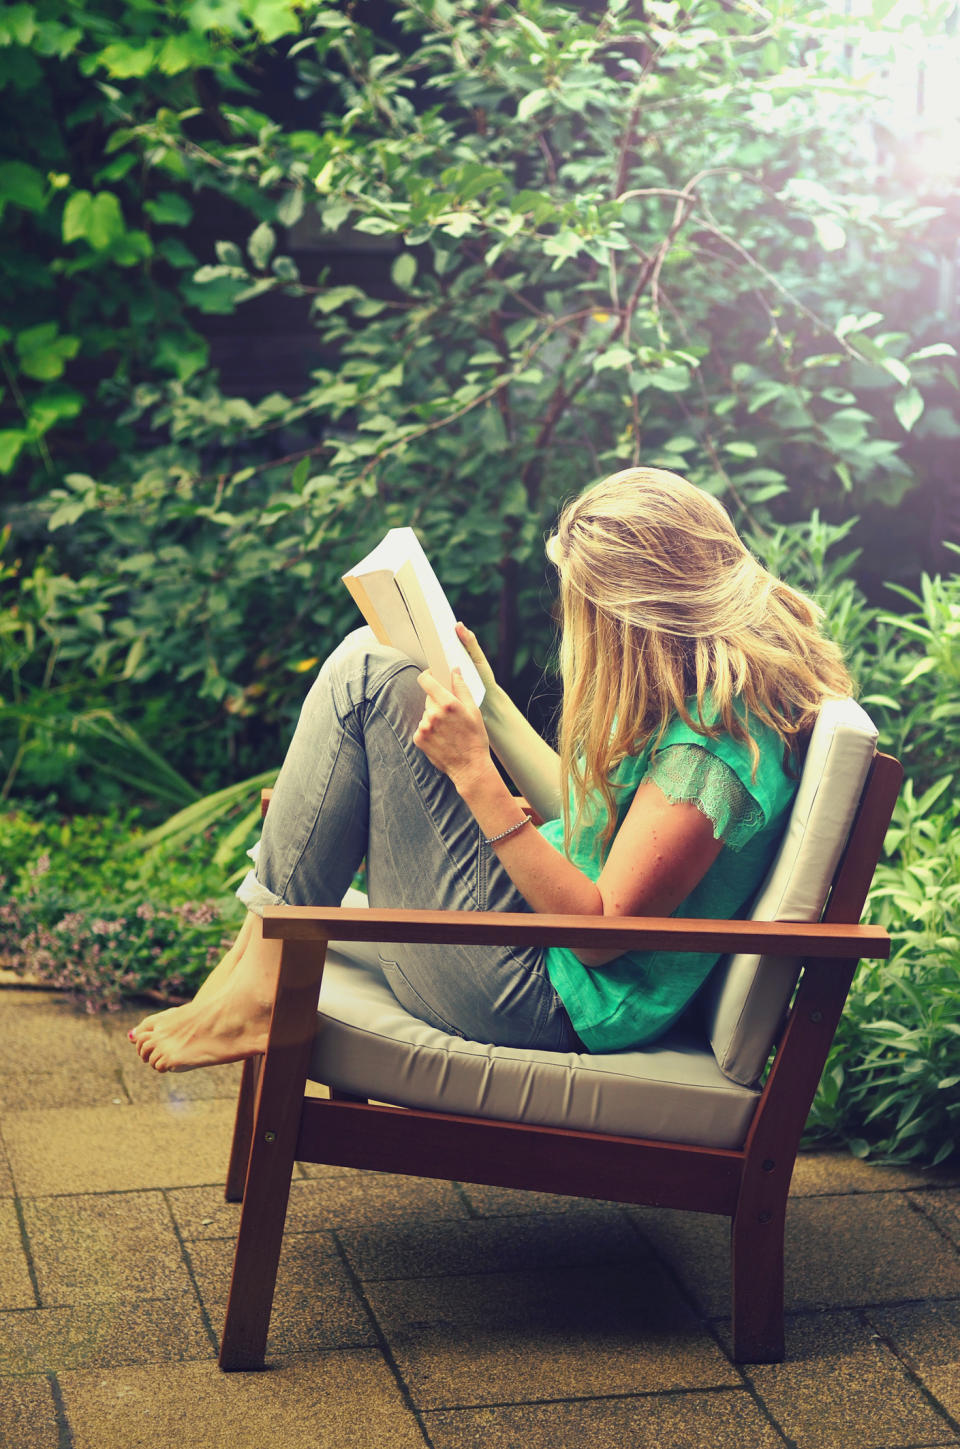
355	786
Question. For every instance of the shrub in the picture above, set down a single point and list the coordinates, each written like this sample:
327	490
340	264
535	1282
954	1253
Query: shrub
87	910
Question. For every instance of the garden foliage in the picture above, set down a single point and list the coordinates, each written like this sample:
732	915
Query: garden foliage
554	240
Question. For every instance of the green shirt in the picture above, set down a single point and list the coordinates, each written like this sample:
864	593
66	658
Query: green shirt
633	999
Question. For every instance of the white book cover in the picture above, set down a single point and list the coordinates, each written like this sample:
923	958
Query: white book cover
400	596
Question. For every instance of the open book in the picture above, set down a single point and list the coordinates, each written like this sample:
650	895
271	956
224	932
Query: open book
399	595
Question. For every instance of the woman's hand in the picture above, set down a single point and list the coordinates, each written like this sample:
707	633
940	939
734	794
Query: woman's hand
451	732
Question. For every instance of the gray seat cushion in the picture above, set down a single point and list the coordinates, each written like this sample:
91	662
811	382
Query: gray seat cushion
367	1044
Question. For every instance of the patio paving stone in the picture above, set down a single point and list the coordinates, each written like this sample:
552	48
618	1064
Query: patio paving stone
487	1245
16	1287
346	1400
465	1341
840	1251
103	1335
841	1388
104	1246
412	1312
112	1149
656	1421
926	1336
28	1414
315	1306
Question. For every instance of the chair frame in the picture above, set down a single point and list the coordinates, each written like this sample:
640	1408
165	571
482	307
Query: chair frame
277	1125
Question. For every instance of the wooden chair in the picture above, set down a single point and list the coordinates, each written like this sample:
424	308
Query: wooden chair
599	1127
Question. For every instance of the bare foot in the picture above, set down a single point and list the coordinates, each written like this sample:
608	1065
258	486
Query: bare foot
219	1025
223	1028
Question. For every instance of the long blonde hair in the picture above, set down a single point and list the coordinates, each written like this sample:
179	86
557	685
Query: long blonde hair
663	602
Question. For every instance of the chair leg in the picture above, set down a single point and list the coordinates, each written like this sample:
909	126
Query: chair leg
242	1131
756	1243
276	1127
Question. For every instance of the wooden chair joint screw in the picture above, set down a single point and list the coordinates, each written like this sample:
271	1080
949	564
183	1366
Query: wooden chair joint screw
764	1217
768	1165
816	1016
269	1136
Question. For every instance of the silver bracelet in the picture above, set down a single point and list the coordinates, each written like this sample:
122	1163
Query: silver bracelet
504	833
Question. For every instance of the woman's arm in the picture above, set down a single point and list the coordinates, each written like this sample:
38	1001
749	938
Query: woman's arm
529	761
659	854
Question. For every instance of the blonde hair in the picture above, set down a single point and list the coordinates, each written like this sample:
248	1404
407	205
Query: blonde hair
663	602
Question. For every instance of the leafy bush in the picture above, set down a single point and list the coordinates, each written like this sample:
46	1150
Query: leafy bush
86	909
891	1088
599	234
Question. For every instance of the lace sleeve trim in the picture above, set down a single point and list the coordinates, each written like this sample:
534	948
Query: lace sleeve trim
689	773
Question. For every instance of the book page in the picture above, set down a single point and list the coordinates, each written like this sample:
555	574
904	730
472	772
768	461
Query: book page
435	622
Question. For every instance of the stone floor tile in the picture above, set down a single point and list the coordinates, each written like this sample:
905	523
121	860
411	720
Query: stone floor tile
6	1176
46	1029
487	1245
28	1415
16	1289
942	1208
488	1201
104	1246
342	1400
841	1388
315	1305
926	1336
839	1172
467	1341
328	1170
840	1252
655	1421
203	1212
109	1149
143	1084
62	1087
103	1335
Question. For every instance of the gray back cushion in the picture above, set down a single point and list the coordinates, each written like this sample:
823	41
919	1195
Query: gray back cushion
747	996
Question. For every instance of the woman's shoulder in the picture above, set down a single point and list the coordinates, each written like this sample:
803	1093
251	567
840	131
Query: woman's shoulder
765	774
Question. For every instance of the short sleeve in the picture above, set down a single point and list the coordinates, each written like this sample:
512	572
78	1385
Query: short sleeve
686	772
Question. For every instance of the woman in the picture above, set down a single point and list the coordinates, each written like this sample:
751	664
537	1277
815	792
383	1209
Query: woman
691	680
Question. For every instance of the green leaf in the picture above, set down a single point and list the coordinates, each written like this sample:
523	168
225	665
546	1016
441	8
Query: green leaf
532	102
335	297
908	407
96	219
260	244
169	209
403	270
616	357
23	185
896	369
11	442
532	31
274	18
124	60
17	25
229	254
829	233
935	349
290	206
43	351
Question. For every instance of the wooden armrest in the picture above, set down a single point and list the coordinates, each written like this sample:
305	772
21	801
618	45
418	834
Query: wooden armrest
624	933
